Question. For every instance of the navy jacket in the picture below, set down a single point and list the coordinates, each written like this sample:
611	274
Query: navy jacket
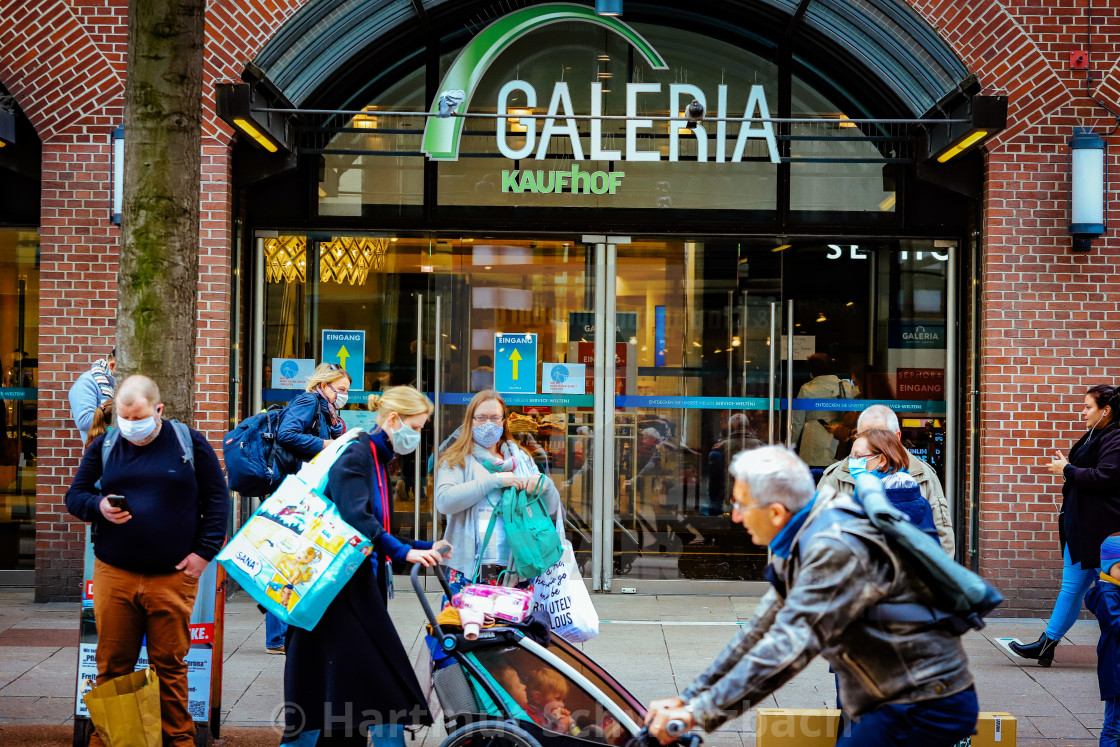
1103	600
174	512
910	502
305	424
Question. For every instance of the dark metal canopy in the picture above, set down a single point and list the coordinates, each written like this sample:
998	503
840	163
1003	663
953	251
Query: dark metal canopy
882	44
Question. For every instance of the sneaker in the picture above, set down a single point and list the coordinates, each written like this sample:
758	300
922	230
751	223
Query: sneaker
277	650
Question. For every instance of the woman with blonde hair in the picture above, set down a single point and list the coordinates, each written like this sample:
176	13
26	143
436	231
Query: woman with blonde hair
353	657
311	420
473	472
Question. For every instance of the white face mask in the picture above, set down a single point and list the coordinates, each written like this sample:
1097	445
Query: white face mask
340	399
137	431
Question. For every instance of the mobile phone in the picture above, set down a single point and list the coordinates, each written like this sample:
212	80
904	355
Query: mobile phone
119	501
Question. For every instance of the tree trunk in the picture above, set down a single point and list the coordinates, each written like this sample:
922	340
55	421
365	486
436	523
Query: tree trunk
158	288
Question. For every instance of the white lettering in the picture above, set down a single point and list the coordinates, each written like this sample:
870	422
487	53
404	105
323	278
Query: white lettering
632	123
756	102
676	90
530	125
597	152
721	126
561	100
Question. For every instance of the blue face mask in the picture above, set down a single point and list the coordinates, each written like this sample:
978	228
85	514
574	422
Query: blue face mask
857	466
405	440
487	434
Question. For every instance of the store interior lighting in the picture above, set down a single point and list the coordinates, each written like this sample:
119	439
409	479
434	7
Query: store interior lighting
1088	185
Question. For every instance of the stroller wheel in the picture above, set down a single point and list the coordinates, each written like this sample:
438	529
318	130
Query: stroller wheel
490	734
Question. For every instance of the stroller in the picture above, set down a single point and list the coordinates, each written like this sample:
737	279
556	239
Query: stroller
507	690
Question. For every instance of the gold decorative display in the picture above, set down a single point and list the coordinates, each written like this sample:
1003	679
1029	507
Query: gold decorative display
343	259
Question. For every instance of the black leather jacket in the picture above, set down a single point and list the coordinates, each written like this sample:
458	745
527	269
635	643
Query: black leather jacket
838	568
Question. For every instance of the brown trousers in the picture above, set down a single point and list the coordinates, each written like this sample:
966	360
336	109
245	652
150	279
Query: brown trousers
129	606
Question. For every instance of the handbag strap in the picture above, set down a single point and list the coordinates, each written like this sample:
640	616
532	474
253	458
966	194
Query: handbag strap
486	540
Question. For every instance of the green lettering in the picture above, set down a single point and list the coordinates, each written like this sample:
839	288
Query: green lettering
599	182
562	178
580	179
614	181
541	188
509	181
528	183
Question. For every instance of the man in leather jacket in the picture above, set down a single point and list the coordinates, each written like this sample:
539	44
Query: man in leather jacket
834	582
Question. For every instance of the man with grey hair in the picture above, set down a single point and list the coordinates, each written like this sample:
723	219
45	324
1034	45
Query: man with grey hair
839	478
159	517
838	589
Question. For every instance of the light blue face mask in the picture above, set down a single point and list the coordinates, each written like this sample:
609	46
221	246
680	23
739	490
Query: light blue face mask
405	440
857	466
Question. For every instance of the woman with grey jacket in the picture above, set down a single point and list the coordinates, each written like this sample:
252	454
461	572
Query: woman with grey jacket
472	474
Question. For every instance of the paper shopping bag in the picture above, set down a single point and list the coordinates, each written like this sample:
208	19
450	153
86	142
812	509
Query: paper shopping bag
560	592
125	710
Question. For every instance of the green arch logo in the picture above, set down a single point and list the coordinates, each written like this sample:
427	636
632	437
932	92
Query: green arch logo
441	136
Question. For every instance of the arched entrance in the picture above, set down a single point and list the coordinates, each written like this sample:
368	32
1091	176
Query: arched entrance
766	280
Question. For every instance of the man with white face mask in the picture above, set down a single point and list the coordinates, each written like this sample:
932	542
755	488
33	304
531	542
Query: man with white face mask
157	522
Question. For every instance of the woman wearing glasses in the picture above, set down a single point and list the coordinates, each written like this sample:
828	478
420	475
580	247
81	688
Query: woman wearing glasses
879	452
467	490
311	420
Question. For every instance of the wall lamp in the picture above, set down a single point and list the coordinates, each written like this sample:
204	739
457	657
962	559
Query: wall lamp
608	7
976	120
7	128
240	104
118	175
1088	185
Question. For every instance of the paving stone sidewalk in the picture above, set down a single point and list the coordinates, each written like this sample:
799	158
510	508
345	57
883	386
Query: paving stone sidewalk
654	644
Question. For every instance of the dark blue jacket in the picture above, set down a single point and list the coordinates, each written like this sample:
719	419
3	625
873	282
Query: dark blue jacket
910	502
306	423
354	487
1103	600
174	511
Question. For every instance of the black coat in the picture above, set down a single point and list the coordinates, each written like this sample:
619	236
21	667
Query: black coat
353	662
1091	495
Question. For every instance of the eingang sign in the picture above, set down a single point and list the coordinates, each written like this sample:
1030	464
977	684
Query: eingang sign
442	136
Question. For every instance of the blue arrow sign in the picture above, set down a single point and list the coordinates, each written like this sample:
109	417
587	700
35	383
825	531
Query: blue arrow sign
515	363
346	347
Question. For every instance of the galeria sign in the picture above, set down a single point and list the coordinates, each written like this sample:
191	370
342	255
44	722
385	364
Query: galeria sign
442	135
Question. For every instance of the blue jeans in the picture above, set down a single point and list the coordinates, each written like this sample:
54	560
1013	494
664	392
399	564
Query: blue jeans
274	630
1110	731
929	723
1075	582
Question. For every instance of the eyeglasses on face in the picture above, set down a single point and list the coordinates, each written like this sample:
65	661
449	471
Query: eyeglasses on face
496	419
866	456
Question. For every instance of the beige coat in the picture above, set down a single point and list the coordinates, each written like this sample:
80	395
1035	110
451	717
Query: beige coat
840	479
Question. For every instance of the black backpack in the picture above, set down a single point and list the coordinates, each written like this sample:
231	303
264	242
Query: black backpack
256	464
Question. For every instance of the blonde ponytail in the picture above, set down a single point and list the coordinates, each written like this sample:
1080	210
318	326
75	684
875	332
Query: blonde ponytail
403	400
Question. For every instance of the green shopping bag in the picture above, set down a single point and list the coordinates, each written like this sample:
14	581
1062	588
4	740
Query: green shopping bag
534	543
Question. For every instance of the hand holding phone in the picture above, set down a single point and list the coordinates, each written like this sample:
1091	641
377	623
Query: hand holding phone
122	513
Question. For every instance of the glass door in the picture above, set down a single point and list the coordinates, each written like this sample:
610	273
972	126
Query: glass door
731	345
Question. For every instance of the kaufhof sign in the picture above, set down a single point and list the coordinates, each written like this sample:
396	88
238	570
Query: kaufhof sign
442	135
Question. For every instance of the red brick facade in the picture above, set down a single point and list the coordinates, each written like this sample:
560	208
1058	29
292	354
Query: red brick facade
1049	316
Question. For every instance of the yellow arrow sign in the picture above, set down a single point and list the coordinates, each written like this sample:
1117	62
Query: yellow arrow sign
514	357
343	354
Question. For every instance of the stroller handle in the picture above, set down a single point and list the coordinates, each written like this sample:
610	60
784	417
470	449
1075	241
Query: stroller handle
420	591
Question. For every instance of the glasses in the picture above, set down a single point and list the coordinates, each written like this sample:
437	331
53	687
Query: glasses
495	419
866	456
333	367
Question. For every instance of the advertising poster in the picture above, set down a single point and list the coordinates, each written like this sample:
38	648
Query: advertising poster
291	373
199	660
563	378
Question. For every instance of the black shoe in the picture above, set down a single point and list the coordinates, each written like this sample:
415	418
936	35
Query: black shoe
1042	649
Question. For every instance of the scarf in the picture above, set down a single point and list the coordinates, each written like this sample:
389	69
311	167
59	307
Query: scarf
783	542
103	379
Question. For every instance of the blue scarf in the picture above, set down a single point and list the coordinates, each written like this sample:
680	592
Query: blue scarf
782	543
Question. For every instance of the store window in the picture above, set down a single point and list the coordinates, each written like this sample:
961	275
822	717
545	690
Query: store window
19	343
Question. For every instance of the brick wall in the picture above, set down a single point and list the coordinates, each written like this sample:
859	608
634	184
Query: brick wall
1049	316
66	69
